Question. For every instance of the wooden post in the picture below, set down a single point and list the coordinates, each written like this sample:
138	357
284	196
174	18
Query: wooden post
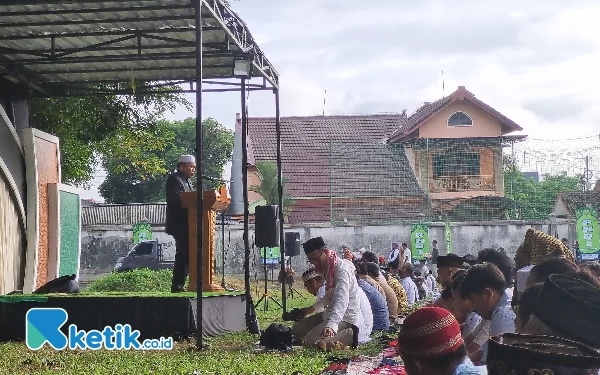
213	201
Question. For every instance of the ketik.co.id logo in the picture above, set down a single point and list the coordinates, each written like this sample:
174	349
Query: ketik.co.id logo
42	325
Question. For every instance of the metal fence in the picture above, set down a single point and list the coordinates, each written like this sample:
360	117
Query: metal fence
473	179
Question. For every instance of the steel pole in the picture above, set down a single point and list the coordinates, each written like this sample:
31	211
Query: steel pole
199	169
280	191
246	213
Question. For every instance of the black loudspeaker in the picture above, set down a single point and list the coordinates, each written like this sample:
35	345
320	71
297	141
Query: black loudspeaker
292	244
266	226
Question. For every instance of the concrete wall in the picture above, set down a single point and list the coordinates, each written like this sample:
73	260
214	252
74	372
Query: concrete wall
101	246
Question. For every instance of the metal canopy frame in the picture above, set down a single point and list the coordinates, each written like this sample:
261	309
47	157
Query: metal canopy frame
54	48
58	47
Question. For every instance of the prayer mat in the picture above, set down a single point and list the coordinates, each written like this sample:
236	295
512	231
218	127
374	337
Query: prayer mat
386	363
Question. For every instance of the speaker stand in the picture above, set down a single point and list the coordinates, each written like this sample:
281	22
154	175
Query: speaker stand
291	289
266	296
291	292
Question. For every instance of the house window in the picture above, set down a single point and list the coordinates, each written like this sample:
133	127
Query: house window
460	119
456	163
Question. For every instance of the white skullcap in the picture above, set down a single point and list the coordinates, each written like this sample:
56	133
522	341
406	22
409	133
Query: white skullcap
186	159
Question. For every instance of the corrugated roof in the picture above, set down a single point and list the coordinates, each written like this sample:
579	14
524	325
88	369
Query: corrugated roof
305	145
124	214
52	43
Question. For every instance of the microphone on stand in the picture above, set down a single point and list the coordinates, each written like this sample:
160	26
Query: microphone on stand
208	178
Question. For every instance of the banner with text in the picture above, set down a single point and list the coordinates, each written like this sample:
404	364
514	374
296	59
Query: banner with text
419	240
270	255
142	232
448	236
587	233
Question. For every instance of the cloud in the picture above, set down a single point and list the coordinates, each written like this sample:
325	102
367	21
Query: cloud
535	61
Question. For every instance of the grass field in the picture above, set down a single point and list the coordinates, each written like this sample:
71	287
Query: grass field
231	354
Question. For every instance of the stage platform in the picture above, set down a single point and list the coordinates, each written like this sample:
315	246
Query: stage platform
155	315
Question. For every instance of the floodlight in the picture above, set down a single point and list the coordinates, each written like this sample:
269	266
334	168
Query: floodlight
242	67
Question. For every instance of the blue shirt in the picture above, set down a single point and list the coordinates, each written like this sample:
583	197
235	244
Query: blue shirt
467	367
412	293
381	314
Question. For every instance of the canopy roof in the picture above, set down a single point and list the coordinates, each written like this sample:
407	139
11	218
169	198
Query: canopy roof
61	46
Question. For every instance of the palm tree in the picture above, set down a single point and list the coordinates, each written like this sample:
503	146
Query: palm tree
267	174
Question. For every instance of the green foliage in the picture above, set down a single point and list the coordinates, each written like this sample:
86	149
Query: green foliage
267	175
230	354
127	182
140	280
93	127
535	200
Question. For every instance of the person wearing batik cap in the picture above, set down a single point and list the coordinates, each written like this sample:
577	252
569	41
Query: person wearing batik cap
430	343
519	354
177	218
447	266
340	306
567	307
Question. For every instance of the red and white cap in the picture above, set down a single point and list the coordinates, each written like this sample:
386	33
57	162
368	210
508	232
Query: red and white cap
429	332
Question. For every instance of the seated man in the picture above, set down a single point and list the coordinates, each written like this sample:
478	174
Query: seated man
447	266
423	267
379	309
366	315
430	282
412	292
475	331
430	343
485	287
403	308
338	313
390	296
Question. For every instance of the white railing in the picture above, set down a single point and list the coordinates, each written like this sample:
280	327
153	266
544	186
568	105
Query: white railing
442	184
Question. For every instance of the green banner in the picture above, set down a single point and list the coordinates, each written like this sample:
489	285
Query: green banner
70	233
141	232
587	233
419	240
448	237
270	254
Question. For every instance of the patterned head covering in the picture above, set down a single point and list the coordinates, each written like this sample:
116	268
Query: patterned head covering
429	332
571	308
517	354
310	274
538	246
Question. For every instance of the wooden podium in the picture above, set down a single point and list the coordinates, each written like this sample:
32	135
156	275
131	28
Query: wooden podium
212	201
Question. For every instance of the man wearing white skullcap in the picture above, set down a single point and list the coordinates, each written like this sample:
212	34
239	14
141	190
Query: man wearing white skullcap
177	220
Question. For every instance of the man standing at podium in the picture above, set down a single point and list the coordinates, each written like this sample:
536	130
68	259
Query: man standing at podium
177	219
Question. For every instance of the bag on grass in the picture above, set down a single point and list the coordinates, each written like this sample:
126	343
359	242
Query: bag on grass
277	336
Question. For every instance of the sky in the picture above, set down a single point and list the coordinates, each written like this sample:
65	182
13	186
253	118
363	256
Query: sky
537	62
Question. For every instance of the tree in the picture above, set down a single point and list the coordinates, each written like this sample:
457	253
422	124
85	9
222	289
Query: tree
535	200
268	187
125	183
91	128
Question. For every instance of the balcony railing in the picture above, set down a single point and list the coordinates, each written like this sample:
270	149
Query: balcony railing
443	184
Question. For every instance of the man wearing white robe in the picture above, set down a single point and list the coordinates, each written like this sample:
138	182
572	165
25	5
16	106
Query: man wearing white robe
336	316
365	326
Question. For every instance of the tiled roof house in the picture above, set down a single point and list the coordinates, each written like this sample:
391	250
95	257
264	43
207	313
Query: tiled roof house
370	168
